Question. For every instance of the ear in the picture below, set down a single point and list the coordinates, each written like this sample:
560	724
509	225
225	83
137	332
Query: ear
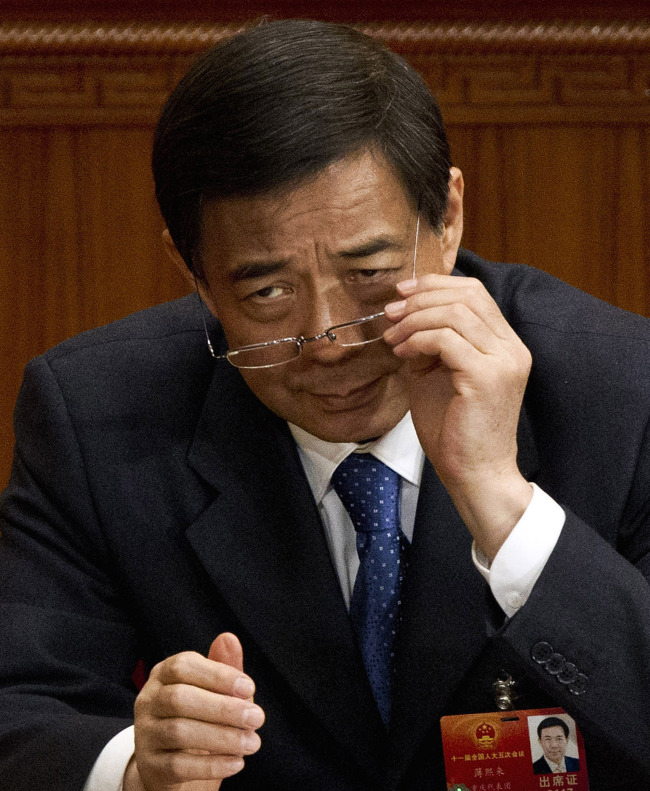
453	224
195	282
176	257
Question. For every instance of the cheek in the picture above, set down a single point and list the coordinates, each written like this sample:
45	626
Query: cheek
268	384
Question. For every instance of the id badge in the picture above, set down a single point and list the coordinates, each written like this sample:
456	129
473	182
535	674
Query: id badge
514	751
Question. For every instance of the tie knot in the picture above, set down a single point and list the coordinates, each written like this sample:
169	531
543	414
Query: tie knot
369	490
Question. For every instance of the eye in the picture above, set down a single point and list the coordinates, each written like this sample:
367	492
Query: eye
382	274
268	293
374	284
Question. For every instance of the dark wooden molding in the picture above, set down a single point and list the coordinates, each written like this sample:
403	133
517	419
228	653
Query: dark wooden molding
543	37
179	38
492	73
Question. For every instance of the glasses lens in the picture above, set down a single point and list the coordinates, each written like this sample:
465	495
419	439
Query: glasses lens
358	333
264	355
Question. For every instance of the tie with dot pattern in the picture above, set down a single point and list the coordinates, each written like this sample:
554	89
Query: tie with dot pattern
370	492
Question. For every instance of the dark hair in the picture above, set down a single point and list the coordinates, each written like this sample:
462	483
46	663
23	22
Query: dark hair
277	104
551	722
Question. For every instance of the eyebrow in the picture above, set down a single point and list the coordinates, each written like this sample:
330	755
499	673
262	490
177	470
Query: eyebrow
255	269
371	247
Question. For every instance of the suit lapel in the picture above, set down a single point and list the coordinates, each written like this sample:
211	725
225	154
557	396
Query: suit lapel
442	628
444	618
263	545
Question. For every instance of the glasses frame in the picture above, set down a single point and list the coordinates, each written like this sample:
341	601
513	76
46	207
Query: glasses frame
300	340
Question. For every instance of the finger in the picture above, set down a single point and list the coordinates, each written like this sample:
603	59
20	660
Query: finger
439	290
457	317
171	768
436	290
431	281
429	348
182	700
188	734
426	350
199	671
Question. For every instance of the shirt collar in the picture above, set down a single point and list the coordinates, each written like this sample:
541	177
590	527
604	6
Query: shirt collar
399	449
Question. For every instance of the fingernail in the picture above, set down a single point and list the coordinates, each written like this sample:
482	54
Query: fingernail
234	764
407	286
250	741
253	717
395	308
243	687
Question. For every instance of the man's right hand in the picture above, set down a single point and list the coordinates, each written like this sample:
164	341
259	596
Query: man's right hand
195	721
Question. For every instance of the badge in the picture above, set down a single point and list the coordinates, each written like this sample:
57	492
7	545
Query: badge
514	751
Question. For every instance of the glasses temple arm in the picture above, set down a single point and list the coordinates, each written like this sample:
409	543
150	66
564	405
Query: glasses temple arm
205	325
415	247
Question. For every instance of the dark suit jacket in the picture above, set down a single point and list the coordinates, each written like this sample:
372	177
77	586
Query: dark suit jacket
155	502
541	767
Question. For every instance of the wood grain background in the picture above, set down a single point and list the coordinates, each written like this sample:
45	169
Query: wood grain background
548	119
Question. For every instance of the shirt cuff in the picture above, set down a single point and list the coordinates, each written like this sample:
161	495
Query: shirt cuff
108	772
523	555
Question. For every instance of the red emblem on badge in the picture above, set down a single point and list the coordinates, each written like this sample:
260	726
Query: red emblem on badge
485	736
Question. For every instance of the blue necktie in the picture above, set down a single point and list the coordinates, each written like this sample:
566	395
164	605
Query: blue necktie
370	492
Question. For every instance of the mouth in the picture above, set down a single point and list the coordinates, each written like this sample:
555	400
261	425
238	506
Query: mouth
352	398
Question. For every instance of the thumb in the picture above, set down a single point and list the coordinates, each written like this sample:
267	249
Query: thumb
227	649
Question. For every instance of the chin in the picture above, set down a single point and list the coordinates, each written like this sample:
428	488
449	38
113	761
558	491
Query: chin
350	427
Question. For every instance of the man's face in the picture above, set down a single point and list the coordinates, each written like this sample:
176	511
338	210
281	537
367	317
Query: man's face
554	743
295	262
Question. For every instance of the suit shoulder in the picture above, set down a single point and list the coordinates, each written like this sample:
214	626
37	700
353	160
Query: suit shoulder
533	299
584	350
147	362
176	318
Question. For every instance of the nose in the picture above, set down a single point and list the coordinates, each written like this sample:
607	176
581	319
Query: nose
325	311
325	352
326	306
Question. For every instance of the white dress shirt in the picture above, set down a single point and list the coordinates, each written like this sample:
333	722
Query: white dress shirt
511	576
515	568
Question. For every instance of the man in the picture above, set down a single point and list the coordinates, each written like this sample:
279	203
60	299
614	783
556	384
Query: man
553	736
170	506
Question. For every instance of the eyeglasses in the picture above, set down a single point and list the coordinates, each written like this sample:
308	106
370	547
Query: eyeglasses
358	332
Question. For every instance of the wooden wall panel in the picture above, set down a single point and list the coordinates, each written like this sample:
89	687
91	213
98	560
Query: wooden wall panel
79	242
550	123
571	200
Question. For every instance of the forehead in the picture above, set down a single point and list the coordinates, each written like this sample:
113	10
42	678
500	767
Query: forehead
552	730
358	194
